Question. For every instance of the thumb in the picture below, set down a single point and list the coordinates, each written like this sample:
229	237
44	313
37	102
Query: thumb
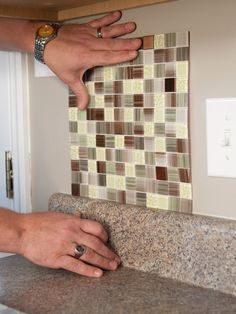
81	93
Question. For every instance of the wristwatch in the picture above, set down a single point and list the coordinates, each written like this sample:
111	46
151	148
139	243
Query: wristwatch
44	34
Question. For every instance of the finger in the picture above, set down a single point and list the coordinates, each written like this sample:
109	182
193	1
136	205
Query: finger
106	20
76	266
97	245
117	30
94	228
77	214
81	93
114	44
100	58
96	259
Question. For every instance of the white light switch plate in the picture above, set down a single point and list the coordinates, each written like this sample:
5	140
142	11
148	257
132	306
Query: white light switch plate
221	137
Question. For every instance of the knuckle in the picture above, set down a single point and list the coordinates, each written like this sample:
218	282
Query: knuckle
100	230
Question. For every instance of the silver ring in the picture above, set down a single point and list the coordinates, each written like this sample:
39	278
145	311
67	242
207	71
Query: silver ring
79	250
99	32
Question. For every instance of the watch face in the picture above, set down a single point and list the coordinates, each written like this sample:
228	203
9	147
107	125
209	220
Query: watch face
45	31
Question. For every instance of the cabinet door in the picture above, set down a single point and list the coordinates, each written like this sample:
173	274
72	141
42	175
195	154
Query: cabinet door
5	126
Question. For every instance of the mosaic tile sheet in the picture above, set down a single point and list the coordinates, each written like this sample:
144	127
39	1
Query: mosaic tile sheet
132	143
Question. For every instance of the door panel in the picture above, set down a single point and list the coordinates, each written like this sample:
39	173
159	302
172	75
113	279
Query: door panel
5	127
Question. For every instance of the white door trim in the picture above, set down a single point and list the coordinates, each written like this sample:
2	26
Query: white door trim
20	131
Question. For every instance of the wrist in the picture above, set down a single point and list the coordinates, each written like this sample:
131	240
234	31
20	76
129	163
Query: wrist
11	231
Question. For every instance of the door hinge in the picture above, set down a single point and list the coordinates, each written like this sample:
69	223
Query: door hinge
9	175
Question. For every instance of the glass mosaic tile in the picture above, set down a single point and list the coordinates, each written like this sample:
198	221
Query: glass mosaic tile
132	143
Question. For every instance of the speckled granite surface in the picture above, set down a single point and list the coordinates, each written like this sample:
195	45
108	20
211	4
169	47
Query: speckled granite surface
193	249
36	290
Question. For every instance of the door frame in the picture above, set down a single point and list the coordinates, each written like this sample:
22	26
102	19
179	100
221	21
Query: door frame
20	131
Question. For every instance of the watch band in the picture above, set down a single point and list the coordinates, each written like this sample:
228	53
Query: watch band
41	41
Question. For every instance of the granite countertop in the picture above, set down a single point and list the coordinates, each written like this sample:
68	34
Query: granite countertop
33	289
194	249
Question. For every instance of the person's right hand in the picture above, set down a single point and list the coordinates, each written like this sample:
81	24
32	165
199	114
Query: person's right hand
77	49
49	239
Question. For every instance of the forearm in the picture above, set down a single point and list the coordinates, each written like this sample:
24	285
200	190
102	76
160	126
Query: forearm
11	230
18	35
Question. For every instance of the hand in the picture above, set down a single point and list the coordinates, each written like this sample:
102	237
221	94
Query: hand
49	239
77	49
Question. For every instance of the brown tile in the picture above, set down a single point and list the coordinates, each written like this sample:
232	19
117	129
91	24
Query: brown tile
138	100
170	99
72	101
100	140
148	114
75	189
119	128
148	42
184	175
95	114
129	142
118	114
164	55
75	165
138	129
110	155
117	100
137	72
182	146
101	180
83	152
101	166
121	197
109	100
185	206
169	85
173	189
99	88
118	87
161	173
172	160
120	169
159	56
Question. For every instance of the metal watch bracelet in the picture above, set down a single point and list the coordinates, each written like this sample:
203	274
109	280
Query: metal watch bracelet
40	42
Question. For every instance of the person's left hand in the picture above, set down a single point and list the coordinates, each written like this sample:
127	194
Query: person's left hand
77	48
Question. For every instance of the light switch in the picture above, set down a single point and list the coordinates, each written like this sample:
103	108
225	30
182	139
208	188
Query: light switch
221	137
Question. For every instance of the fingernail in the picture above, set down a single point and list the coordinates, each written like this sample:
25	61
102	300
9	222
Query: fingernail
133	54
116	13
98	272
138	42
113	264
130	26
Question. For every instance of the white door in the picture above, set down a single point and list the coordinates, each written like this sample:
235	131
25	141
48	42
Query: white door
5	126
14	131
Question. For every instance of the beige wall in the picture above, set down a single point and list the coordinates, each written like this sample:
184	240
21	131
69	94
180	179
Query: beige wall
49	139
212	25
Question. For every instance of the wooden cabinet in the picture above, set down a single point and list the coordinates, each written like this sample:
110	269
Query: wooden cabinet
61	10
